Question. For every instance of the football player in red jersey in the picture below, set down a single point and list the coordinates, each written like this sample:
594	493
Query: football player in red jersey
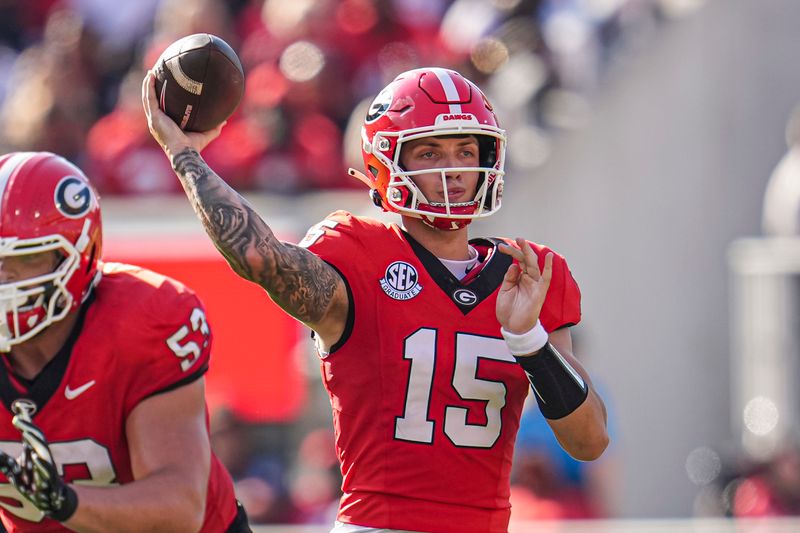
103	423
428	341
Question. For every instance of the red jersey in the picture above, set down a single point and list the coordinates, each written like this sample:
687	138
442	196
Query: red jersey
426	396
141	335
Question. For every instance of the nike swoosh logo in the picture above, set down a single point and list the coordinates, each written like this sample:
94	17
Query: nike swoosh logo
71	394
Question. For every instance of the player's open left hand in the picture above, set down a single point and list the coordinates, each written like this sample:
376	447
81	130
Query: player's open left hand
169	135
35	474
524	288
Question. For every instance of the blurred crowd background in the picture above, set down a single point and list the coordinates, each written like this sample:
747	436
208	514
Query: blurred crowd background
72	69
70	78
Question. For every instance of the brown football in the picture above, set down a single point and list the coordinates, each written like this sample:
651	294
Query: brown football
199	81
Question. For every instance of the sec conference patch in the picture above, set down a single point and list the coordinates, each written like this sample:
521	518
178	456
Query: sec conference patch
401	281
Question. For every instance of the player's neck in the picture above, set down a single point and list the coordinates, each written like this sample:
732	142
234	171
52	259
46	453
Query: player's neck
30	357
443	244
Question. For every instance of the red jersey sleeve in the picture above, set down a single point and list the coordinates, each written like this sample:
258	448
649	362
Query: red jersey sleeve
336	239
562	306
167	341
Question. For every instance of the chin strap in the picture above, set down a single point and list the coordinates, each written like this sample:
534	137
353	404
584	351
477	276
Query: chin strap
374	195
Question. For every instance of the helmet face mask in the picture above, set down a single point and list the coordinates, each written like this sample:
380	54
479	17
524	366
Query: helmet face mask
432	102
30	304
47	206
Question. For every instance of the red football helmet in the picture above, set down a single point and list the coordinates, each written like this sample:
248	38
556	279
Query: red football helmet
46	204
431	102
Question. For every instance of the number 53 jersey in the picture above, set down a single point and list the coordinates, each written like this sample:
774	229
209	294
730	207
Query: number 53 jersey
141	335
426	397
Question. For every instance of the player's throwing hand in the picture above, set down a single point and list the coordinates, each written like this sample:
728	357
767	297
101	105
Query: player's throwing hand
172	139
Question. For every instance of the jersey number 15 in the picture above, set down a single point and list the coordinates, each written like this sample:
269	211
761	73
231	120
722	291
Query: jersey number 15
416	426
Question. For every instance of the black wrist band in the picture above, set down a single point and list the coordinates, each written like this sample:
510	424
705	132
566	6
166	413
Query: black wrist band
68	507
558	387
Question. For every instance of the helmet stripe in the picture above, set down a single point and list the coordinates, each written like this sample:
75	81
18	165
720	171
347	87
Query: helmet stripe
450	90
8	168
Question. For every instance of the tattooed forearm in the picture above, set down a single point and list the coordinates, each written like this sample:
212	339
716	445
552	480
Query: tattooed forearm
222	211
297	280
302	284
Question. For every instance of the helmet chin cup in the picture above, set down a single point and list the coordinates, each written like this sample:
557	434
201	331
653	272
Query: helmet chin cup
435	215
445	224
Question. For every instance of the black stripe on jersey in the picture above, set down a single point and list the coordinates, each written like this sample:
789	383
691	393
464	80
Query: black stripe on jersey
194	376
44	385
351	313
483	285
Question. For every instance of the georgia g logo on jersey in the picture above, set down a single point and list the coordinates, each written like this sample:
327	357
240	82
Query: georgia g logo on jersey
73	197
465	297
401	281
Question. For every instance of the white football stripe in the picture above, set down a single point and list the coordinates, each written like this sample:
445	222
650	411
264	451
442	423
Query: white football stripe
186	83
450	90
9	167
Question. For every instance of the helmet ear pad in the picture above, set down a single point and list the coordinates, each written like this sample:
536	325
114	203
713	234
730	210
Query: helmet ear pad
380	174
487	150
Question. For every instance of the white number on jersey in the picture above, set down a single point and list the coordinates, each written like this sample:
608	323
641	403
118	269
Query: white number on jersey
189	348
316	231
415	424
85	452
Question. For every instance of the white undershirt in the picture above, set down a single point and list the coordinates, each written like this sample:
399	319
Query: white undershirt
461	267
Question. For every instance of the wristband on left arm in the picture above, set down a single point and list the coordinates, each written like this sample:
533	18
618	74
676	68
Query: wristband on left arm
558	387
67	503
